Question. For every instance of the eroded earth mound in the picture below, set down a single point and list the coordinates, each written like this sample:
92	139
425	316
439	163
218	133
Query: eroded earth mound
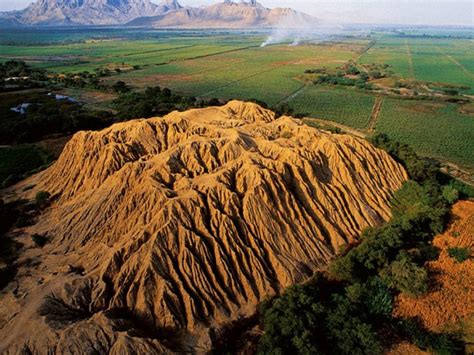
164	231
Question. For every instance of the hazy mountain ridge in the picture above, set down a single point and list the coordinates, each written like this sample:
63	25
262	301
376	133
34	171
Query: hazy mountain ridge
227	15
169	13
87	12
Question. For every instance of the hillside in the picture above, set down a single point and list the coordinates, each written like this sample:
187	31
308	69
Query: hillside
163	231
227	15
92	12
144	13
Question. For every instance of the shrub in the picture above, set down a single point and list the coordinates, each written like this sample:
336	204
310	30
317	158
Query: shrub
373	296
23	221
343	268
348	332
459	254
444	344
352	70
39	240
42	198
283	110
120	86
293	322
407	277
364	76
375	74
378	298
450	194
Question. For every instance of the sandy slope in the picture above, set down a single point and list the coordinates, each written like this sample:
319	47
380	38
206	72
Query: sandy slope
183	224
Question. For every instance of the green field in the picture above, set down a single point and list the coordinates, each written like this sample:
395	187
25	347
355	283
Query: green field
269	74
432	60
348	107
433	129
228	65
392	51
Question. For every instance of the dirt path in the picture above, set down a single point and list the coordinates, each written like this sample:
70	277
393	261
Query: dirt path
293	95
211	54
156	51
366	49
462	174
374	117
344	128
410	60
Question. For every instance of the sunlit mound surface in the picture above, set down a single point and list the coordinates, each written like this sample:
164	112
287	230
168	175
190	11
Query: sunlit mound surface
167	230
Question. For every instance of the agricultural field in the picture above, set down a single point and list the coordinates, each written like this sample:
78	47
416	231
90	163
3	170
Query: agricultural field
438	61
233	65
392	51
348	107
268	74
438	130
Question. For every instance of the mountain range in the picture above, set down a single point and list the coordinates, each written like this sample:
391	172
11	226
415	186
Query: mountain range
144	13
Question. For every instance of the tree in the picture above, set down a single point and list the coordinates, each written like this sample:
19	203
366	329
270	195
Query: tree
375	74
363	76
450	194
407	277
459	254
293	322
348	331
352	70
120	87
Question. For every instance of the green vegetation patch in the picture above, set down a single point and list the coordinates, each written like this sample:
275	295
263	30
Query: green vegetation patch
437	130
20	161
459	254
348	107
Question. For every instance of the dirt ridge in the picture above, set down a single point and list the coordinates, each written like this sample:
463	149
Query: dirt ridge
186	223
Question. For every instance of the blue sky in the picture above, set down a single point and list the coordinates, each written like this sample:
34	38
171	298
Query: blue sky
435	12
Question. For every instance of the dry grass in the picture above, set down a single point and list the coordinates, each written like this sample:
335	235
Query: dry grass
452	299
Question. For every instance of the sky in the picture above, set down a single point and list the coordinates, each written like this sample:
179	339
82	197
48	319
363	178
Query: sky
415	12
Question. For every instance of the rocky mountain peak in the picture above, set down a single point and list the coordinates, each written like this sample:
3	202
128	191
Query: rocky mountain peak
85	12
170	5
169	13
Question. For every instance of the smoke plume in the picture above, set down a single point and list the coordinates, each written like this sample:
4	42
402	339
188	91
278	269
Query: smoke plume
295	31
